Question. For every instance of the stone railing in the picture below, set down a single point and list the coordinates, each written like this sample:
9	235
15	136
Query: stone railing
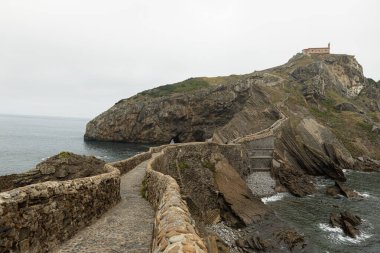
127	165
174	229
265	132
38	217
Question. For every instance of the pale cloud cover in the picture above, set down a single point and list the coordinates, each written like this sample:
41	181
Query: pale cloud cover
77	58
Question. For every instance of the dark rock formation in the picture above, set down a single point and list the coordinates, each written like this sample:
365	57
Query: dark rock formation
339	72
345	190
365	163
237	195
347	222
346	107
341	189
322	155
184	117
297	182
214	190
64	166
333	191
225	108
376	129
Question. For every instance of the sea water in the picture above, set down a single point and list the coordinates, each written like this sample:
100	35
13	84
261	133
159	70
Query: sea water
27	140
310	214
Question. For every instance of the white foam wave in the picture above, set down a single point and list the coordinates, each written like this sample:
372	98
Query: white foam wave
337	235
101	157
365	195
275	197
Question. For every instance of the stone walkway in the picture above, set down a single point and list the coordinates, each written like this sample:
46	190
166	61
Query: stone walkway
127	227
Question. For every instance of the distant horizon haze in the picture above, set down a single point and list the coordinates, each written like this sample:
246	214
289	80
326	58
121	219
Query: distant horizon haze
78	58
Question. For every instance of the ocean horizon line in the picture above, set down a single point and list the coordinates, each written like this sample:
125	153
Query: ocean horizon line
42	116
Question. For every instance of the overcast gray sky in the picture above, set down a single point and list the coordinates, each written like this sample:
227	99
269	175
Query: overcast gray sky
78	57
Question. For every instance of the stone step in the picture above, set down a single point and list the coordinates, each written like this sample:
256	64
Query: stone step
260	169
261	163
261	143
262	157
261	152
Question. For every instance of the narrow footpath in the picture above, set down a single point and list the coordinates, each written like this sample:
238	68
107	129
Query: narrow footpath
127	227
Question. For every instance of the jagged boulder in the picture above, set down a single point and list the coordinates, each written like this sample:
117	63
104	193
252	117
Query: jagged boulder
63	166
347	221
296	182
365	163
300	161
67	165
341	189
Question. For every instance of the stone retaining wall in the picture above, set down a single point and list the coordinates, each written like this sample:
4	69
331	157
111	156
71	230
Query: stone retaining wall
38	217
236	154
174	229
127	165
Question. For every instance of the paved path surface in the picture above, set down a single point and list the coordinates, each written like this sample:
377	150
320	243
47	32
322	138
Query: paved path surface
127	227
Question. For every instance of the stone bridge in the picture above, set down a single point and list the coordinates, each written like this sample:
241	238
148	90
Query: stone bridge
151	215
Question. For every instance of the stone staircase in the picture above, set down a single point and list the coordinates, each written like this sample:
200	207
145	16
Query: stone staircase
260	152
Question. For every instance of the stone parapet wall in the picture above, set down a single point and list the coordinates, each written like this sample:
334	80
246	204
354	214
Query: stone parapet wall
127	165
236	154
38	217
174	229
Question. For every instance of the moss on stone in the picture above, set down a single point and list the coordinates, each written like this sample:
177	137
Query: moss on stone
183	165
143	189
208	165
64	154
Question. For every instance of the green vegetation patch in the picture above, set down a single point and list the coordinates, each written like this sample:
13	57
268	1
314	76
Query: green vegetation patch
143	189
64	154
188	85
208	165
182	165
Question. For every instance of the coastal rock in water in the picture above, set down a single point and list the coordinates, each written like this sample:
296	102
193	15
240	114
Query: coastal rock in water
345	190
309	150
253	243
335	220
299	184
67	165
291	238
365	163
350	230
351	218
333	191
347	222
341	189
63	166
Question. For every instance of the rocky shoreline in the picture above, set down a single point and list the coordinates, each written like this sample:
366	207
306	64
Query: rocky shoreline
237	141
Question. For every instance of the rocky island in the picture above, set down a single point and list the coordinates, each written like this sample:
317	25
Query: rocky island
237	139
332	114
269	131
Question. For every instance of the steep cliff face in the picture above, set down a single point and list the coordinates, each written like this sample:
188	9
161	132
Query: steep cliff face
234	106
339	72
183	116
